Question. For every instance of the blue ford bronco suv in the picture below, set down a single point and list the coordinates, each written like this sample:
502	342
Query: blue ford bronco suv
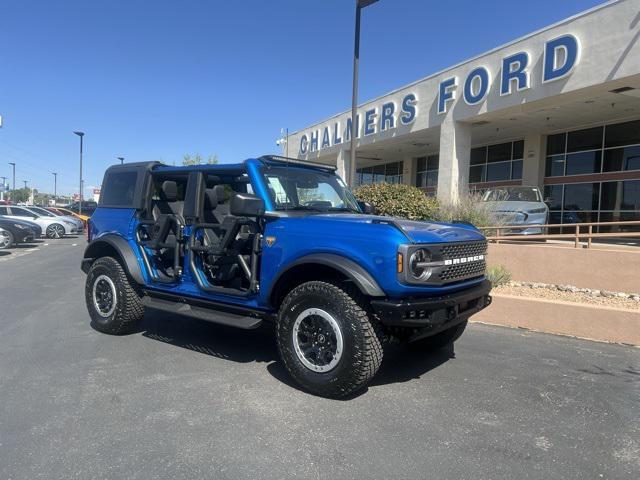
283	241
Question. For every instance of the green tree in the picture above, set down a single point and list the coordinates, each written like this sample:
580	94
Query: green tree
196	159
20	195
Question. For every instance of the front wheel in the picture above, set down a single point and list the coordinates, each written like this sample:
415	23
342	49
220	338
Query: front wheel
112	300
6	239
327	339
55	230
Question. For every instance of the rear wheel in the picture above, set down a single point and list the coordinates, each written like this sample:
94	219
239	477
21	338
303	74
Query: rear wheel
112	299
55	230
327	339
441	339
6	239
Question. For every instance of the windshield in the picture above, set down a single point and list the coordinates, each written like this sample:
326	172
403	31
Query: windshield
512	194
41	211
294	188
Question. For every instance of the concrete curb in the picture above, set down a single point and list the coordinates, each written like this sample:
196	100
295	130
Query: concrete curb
592	322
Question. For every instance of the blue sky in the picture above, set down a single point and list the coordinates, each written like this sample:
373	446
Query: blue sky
153	80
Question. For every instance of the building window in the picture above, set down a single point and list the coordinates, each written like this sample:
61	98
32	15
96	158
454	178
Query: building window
385	173
427	171
494	163
595	202
612	148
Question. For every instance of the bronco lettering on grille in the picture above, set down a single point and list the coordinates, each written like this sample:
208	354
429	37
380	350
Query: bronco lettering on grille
457	261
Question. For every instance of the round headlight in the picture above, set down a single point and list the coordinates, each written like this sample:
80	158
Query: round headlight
418	264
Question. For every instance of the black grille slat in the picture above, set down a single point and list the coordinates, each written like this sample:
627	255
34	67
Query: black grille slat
454	250
462	271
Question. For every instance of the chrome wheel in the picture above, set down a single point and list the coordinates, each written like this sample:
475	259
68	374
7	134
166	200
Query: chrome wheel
55	231
6	239
317	340
104	296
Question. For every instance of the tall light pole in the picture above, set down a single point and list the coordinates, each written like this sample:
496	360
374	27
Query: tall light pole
360	4
121	160
25	183
81	135
4	183
13	164
55	188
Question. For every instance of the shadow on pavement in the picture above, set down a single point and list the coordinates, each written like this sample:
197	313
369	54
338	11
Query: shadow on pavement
228	343
400	364
22	246
4	253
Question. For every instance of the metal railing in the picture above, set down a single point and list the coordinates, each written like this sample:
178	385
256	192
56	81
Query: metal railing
575	235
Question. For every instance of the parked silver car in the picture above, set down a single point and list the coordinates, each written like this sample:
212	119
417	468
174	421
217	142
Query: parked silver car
52	227
517	206
67	218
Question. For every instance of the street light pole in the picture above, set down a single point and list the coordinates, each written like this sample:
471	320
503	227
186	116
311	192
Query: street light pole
81	135
360	4
13	164
55	188
4	183
121	160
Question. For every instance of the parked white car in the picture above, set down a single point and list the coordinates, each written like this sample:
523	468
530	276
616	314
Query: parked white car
46	213
51	227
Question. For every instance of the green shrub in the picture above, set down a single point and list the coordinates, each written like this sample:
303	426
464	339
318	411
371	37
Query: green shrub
398	200
498	275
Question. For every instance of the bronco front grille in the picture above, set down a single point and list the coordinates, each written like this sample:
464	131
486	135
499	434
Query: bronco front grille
463	270
448	262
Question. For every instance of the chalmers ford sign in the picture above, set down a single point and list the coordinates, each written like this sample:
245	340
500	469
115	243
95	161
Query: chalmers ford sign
559	56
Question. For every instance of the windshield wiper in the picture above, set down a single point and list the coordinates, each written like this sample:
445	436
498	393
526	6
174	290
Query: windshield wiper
301	207
344	209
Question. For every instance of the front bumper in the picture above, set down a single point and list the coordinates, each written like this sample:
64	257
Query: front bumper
434	313
533	230
25	236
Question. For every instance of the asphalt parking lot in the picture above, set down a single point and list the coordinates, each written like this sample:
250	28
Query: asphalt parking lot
185	399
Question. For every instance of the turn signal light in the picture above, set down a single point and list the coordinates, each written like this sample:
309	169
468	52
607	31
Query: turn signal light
400	262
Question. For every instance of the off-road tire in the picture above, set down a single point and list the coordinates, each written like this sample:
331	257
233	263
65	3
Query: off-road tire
441	339
128	309
362	348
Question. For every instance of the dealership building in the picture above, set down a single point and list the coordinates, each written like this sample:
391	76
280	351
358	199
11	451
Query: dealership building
558	109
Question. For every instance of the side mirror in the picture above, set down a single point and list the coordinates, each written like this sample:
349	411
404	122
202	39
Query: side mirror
367	208
246	205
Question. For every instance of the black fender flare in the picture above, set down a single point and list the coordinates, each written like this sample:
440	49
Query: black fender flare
123	249
363	279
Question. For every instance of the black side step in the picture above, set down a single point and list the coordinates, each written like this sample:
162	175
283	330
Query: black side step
215	316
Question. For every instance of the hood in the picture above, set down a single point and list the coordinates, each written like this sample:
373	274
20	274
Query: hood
70	219
511	206
25	223
415	231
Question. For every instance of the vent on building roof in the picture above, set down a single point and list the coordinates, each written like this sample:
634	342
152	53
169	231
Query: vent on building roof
621	89
628	91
